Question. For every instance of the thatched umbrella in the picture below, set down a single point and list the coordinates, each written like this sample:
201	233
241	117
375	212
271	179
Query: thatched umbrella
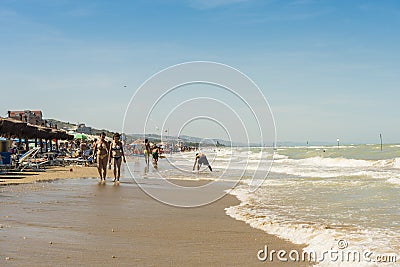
14	128
11	127
43	132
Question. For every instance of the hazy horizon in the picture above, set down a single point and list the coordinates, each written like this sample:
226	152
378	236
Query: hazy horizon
291	142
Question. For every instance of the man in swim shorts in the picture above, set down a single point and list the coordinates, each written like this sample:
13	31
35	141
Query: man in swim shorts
201	159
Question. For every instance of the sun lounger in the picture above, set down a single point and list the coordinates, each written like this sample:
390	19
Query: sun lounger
76	161
30	160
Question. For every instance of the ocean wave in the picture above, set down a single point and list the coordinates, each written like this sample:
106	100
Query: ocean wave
337	167
395	181
317	236
329	162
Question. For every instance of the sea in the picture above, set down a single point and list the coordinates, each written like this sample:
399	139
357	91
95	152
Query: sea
330	199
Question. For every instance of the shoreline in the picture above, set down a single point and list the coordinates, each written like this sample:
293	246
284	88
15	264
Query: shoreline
157	234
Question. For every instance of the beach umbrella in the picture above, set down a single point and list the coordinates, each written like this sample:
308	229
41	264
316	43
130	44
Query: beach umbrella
80	136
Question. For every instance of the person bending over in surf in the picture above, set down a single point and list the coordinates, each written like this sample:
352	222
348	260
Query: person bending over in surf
201	159
101	148
117	154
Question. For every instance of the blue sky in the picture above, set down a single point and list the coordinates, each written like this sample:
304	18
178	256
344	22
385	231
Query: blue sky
329	69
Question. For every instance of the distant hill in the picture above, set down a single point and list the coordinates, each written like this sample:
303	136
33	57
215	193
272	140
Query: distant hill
187	140
155	138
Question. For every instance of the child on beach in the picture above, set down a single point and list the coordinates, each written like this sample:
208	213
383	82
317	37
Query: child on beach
116	153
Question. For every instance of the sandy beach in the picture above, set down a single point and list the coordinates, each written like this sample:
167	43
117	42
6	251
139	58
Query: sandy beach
51	173
70	222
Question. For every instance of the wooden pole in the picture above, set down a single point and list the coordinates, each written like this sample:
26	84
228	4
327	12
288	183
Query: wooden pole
27	143
380	135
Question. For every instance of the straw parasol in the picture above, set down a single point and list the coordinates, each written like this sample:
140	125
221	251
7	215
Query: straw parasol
14	128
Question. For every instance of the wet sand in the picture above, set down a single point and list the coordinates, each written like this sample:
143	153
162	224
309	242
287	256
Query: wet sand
51	173
74	222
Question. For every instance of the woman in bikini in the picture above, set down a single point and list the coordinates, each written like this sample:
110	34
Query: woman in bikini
101	148
117	154
147	151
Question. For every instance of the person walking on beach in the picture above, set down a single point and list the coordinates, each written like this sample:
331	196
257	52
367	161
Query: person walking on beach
117	154
201	159
147	151
101	148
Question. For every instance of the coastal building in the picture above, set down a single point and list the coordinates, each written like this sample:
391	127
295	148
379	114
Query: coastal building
34	117
82	128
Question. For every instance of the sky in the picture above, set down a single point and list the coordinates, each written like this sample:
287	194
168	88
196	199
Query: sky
328	69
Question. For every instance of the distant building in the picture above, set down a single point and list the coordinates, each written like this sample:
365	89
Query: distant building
30	116
82	128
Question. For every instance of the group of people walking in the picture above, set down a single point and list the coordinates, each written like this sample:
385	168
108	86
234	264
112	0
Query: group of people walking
113	153
109	153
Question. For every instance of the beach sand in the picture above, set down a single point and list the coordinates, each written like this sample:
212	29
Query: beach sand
51	173
75	222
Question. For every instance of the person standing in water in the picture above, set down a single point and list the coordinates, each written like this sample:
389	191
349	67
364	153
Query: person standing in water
201	159
101	148
117	154
147	151
154	152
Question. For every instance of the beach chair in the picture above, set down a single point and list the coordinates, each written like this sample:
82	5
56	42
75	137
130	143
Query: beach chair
30	160
76	161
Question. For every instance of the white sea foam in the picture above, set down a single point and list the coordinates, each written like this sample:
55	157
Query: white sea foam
278	156
396	163
318	237
336	167
327	162
395	181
